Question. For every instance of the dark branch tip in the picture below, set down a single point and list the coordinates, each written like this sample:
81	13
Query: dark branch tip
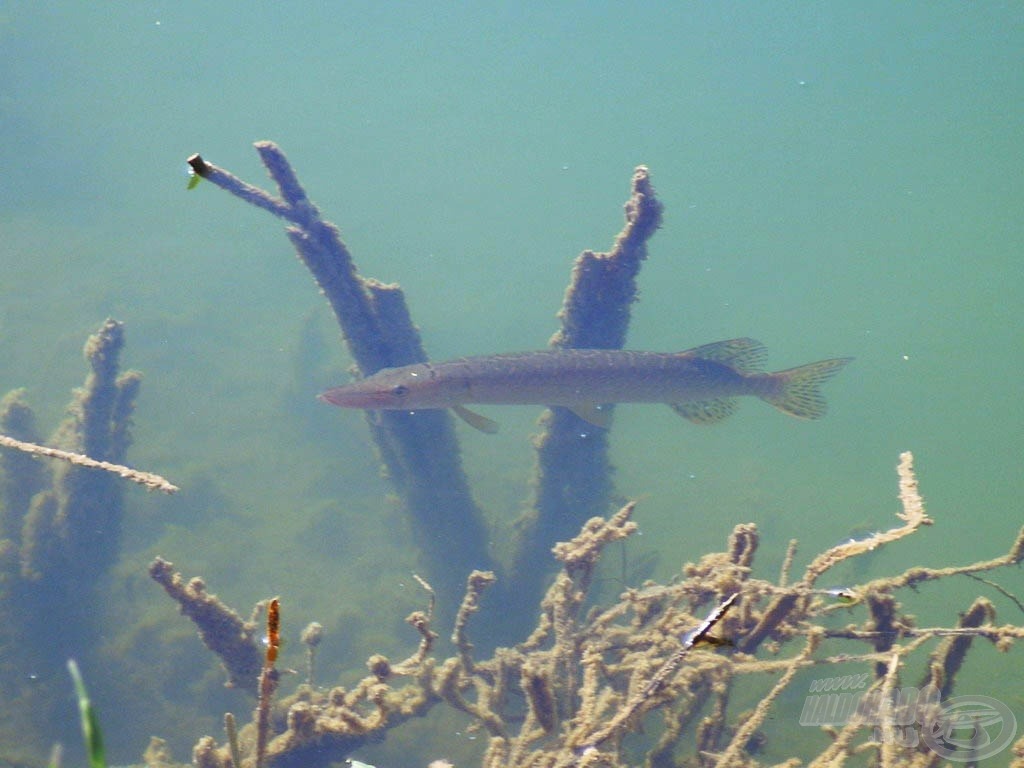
198	165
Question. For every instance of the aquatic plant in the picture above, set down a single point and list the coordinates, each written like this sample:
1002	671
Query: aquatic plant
92	734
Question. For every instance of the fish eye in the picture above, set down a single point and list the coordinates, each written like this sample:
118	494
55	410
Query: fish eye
400	391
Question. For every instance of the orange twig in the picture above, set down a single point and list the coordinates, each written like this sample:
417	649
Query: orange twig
268	681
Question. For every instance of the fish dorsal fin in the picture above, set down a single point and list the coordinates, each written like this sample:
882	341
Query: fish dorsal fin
598	415
706	411
743	355
475	420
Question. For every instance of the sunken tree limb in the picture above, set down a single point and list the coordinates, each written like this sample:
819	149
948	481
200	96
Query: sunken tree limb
419	451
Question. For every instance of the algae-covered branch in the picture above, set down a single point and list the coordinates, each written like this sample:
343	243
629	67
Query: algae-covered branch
684	673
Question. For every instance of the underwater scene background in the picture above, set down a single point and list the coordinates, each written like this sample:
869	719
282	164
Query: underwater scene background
837	180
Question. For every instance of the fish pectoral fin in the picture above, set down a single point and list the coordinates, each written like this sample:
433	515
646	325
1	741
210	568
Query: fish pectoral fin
598	415
475	420
705	411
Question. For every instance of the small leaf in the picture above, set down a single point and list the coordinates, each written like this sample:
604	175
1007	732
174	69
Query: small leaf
194	179
90	725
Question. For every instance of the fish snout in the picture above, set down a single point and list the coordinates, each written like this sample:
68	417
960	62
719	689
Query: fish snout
354	396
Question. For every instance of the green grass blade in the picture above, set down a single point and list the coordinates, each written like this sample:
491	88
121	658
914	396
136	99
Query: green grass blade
90	725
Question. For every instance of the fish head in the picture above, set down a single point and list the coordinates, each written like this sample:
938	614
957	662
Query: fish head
406	388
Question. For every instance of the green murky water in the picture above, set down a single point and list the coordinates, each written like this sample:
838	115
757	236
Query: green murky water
837	180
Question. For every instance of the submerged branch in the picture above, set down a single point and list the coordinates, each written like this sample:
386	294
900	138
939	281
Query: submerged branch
419	451
152	481
570	694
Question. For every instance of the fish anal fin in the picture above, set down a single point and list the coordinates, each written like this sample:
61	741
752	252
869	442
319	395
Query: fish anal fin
598	415
744	355
476	420
705	411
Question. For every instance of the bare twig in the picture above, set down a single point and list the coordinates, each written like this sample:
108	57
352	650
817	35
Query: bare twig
152	481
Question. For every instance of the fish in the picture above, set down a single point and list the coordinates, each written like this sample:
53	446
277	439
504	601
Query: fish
700	384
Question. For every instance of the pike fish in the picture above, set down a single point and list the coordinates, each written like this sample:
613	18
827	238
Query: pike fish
700	384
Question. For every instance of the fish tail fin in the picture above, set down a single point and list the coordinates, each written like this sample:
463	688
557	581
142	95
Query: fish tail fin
796	391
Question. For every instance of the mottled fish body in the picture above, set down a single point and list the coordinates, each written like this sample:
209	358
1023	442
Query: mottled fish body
700	384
